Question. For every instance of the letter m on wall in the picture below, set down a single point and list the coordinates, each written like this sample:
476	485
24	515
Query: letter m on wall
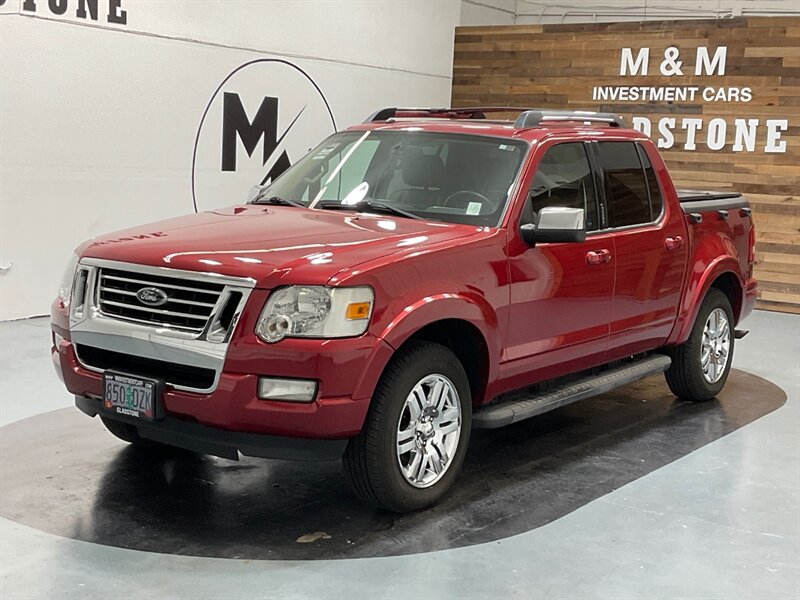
236	124
629	66
708	64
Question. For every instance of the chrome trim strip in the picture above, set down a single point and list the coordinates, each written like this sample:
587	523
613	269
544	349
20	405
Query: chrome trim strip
201	347
656	223
169	272
160	284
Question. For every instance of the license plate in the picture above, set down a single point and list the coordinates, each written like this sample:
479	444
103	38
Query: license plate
130	396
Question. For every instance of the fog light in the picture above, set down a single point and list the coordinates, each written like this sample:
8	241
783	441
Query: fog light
288	390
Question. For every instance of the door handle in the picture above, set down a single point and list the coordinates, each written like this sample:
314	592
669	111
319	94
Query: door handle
673	243
598	257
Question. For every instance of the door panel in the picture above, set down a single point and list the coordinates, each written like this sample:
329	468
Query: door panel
560	308
650	250
648	289
560	296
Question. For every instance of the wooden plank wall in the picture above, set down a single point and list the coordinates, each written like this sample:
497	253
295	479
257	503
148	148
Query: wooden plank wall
556	66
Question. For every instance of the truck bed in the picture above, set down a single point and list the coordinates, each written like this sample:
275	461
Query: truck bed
718	222
700	201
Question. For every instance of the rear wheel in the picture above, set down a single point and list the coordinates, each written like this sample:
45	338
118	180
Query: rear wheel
700	366
416	433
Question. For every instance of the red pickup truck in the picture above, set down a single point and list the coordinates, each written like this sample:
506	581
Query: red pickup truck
424	273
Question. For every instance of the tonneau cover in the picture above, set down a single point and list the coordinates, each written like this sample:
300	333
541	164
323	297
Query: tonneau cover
698	201
698	195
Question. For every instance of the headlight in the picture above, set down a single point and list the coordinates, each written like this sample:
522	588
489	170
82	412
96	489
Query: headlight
65	289
316	312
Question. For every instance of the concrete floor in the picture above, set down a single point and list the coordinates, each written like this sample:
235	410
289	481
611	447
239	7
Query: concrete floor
720	522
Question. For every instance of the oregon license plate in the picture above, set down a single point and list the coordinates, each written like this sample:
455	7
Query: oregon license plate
130	396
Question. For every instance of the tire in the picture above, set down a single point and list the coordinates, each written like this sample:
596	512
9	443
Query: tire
129	433
687	377
375	460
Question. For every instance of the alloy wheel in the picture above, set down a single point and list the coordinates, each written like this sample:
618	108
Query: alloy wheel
428	430
716	345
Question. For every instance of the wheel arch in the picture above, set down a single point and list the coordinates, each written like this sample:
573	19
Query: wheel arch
729	284
463	321
721	275
466	341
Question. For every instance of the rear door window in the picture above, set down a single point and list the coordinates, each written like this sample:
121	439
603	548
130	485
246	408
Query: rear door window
626	186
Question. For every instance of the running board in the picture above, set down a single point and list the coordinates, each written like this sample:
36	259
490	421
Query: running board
524	406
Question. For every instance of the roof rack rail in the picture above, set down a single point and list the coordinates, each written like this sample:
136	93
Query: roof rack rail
532	118
471	112
528	117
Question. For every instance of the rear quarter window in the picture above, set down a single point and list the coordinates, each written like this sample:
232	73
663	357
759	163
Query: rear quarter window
656	203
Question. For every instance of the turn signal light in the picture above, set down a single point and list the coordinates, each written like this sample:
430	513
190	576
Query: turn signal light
358	310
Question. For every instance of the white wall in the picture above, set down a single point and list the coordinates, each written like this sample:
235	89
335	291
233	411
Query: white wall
587	11
507	12
98	120
488	12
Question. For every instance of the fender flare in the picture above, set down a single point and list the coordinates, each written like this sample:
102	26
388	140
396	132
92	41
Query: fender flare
696	293
432	309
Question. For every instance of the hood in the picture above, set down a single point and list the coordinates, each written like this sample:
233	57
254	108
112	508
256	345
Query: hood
275	245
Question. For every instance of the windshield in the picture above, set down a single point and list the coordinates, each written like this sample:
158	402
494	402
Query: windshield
454	178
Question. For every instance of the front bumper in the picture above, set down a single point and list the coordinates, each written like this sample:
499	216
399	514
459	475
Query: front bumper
234	405
213	383
226	444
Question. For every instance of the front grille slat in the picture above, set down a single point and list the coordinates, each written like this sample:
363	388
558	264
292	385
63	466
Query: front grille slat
129	293
149	283
170	313
189	305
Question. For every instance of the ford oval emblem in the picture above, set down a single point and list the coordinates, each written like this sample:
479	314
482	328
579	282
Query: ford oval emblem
152	296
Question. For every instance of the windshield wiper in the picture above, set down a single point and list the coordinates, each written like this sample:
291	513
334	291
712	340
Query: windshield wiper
277	201
368	205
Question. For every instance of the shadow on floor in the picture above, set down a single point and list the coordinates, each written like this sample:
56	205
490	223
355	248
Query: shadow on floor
64	474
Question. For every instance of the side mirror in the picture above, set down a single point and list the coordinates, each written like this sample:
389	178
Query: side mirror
555	224
254	192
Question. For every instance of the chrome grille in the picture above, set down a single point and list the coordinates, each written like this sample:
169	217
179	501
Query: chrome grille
188	307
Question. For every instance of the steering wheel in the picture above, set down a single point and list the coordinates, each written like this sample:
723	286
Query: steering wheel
467	196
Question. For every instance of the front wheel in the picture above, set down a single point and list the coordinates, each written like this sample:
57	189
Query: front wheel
700	366
416	433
